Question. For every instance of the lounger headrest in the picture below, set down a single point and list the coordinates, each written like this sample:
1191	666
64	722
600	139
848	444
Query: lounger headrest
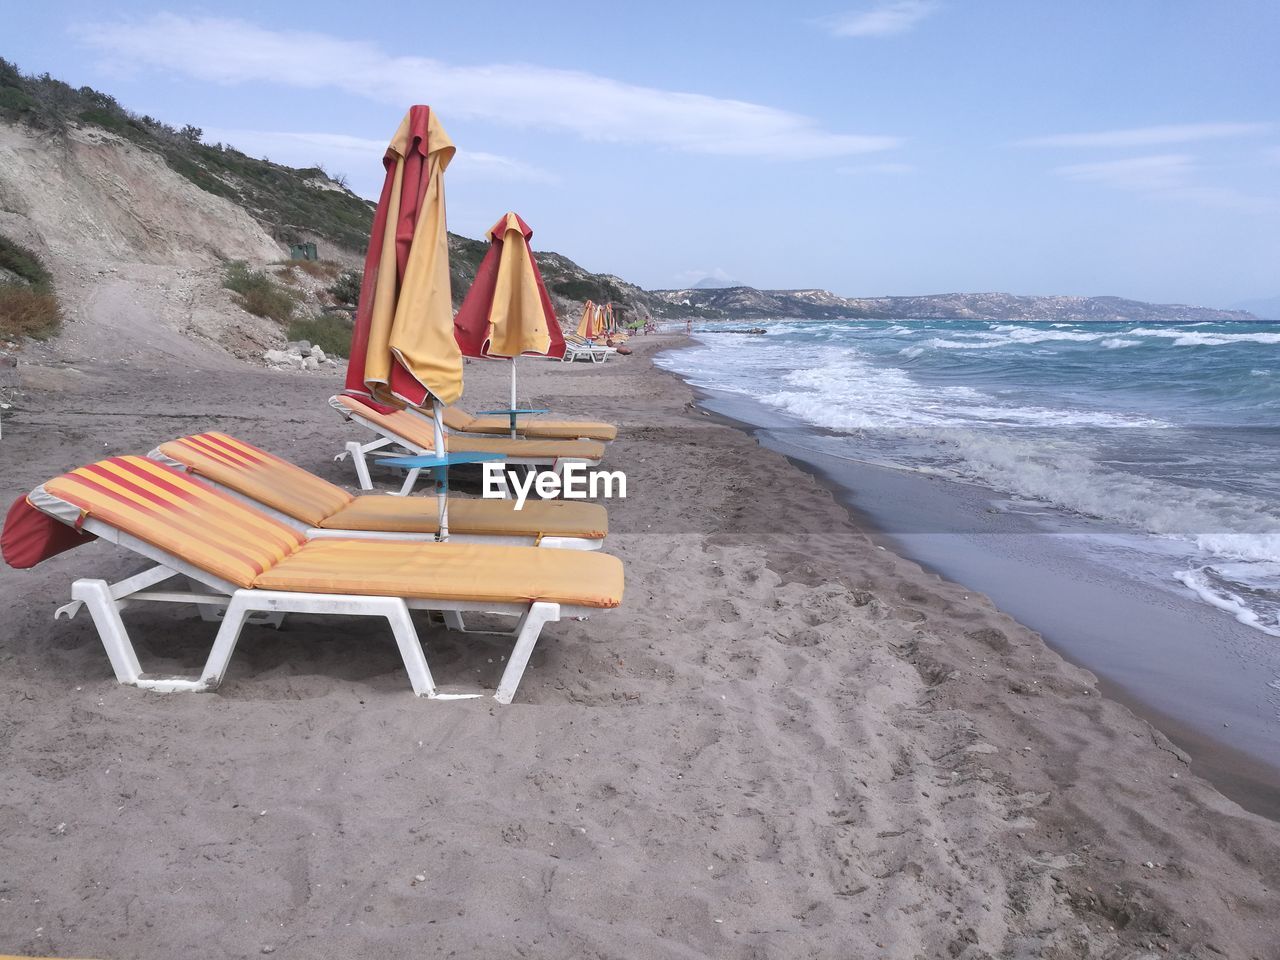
174	512
347	402
31	536
256	474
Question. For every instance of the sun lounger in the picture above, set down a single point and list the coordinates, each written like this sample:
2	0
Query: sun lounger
414	432
578	348
321	509
460	421
238	558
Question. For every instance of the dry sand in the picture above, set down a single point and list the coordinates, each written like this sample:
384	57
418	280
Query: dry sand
788	742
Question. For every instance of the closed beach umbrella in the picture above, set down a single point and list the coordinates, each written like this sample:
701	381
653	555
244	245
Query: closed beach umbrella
507	312
402	348
588	325
611	322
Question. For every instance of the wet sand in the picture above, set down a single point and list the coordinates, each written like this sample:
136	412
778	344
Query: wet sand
789	741
1198	675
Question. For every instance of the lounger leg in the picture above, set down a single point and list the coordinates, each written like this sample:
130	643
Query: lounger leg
415	661
96	595
105	611
526	637
224	645
362	467
410	481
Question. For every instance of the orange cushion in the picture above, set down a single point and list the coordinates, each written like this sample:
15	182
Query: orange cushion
543	429
456	418
538	518
420	433
449	571
259	475
179	514
533	449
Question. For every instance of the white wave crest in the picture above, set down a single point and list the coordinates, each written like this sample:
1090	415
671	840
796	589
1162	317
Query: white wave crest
1210	588
1183	338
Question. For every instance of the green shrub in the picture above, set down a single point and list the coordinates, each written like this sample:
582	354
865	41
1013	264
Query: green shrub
316	268
15	101
28	312
584	289
258	293
28	307
346	289
330	331
16	258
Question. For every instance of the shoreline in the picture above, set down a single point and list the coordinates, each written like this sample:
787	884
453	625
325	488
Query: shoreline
1246	777
788	741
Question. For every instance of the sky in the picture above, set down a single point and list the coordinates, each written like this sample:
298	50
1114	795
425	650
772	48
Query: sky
869	147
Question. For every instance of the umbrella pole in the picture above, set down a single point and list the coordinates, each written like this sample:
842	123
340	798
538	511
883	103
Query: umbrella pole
513	397
441	472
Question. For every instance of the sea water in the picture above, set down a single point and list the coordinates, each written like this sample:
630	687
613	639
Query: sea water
1162	440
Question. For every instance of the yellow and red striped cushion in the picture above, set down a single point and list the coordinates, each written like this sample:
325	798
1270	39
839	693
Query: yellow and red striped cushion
259	475
179	514
209	529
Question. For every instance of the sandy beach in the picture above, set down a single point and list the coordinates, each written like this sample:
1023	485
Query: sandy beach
787	742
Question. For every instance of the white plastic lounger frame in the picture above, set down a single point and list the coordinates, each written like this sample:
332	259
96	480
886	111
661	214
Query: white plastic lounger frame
314	533
593	352
105	601
386	438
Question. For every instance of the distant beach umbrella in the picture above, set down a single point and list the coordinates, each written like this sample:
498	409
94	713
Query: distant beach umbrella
402	348
403	352
589	324
507	312
611	323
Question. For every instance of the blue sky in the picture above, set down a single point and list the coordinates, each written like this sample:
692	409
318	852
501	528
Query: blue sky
1129	147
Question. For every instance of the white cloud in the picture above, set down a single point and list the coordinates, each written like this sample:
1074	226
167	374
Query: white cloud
1160	172
516	95
1173	176
340	153
1149	136
493	166
883	19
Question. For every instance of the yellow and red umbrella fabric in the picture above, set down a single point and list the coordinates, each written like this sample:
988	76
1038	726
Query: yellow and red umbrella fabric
507	312
402	348
589	323
611	323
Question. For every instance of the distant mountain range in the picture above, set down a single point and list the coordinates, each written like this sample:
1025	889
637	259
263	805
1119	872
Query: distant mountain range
1267	309
743	303
713	283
